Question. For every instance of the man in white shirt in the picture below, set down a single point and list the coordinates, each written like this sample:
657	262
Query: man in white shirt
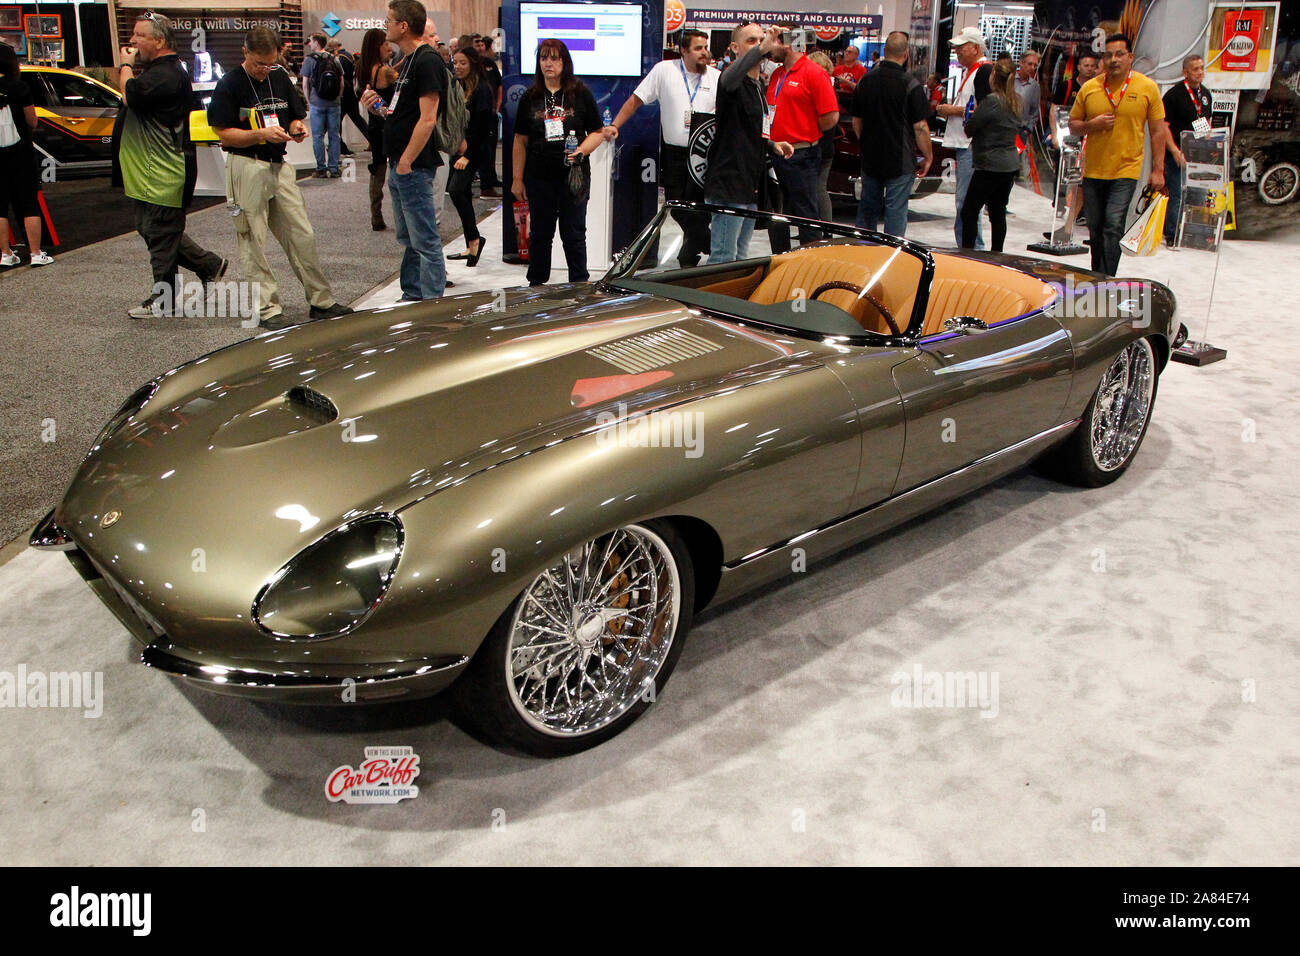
969	47
681	88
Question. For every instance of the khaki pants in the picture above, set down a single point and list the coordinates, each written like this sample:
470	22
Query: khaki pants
268	197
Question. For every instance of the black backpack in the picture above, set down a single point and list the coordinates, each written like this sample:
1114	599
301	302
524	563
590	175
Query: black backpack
326	78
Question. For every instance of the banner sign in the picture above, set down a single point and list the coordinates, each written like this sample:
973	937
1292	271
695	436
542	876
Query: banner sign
861	22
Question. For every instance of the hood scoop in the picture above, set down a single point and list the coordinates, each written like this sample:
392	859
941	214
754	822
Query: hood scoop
298	410
312	404
652	350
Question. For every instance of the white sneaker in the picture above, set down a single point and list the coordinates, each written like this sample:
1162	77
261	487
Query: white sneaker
42	259
10	259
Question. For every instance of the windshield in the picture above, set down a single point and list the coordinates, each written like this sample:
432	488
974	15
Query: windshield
836	280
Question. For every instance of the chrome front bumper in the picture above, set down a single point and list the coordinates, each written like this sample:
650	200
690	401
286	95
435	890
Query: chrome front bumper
316	683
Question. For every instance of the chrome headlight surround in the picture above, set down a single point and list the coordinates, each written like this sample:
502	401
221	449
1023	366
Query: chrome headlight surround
333	585
131	407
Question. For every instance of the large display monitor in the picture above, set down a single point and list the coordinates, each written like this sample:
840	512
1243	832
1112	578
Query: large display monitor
604	39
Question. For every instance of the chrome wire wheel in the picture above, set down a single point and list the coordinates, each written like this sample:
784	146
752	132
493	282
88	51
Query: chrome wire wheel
590	633
1122	406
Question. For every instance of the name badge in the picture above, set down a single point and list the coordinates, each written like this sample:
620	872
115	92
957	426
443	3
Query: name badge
392	107
270	119
553	124
1201	126
767	123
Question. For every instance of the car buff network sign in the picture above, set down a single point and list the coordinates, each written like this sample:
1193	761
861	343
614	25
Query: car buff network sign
387	775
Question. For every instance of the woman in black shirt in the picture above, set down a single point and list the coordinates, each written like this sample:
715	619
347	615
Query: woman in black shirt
18	172
480	101
374	73
992	129
557	125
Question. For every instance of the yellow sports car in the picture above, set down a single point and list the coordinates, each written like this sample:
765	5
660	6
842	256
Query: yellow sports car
75	116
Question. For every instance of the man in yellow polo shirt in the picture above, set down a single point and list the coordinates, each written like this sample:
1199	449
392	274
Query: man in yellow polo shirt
1111	110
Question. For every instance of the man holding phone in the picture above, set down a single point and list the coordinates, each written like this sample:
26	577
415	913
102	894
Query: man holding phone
255	111
154	162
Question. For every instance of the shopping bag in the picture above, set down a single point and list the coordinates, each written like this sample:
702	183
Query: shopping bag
8	128
1143	237
521	230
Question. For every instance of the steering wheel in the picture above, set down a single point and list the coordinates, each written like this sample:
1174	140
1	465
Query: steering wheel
860	292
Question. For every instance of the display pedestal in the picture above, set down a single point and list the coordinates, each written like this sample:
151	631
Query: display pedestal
1198	354
1069	178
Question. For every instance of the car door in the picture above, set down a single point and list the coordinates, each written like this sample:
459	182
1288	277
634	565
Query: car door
969	395
83	113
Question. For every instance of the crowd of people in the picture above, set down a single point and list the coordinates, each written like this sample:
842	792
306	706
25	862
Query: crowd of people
430	113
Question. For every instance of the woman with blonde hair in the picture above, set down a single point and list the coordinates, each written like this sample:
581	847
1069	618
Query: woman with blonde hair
993	129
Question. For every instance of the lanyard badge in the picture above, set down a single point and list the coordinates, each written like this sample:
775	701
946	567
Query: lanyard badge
690	95
1119	98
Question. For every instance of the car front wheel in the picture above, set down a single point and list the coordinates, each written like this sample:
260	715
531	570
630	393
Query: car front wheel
586	647
1115	422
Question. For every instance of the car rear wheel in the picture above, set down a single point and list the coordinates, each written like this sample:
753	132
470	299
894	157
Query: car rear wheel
1279	184
1115	422
586	647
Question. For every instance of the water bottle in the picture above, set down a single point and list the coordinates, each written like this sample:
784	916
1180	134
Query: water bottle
570	144
606	118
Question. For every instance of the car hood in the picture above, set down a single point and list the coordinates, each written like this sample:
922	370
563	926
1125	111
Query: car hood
286	436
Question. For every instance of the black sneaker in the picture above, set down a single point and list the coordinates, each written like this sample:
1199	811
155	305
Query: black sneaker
329	311
221	271
275	323
335	174
320	174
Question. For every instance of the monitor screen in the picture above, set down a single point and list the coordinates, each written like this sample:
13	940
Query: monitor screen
604	39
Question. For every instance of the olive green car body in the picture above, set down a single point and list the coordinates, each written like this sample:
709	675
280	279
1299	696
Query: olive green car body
482	424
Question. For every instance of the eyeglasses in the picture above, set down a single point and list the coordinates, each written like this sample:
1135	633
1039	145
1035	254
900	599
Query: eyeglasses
1115	55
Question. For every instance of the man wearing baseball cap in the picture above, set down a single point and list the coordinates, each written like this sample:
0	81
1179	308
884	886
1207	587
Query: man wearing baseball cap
969	47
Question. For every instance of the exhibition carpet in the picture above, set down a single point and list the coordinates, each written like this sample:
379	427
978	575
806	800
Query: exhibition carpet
1141	635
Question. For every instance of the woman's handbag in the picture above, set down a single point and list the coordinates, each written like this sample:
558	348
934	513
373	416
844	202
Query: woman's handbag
8	128
579	183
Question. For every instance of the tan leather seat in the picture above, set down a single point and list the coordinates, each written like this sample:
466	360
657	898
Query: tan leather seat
987	291
804	270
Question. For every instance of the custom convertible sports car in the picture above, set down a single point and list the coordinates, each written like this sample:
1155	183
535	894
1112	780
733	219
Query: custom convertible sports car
525	496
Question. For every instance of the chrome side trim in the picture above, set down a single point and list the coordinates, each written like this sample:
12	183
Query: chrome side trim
48	536
917	491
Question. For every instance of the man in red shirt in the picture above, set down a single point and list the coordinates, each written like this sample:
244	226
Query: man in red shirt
801	106
849	73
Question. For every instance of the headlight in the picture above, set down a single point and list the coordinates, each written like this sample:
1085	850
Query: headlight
139	398
332	586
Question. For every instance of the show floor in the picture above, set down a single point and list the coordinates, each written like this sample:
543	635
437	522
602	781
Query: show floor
1142	637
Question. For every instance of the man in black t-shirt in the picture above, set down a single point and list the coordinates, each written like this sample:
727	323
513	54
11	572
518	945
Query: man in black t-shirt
893	105
255	111
409	146
1188	105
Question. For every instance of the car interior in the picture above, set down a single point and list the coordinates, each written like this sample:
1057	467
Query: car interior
874	285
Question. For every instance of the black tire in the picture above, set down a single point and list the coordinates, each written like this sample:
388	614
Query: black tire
1076	461
486	700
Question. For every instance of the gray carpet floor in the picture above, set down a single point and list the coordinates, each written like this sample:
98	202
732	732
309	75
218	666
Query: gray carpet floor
1143	635
70	355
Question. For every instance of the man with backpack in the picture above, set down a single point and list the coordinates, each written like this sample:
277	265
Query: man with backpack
322	82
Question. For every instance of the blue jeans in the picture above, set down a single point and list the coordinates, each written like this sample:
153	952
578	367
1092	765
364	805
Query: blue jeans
888	196
326	119
424	272
965	169
1105	203
729	235
1174	180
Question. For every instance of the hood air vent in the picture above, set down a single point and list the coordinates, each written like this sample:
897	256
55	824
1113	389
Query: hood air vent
312	404
652	350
